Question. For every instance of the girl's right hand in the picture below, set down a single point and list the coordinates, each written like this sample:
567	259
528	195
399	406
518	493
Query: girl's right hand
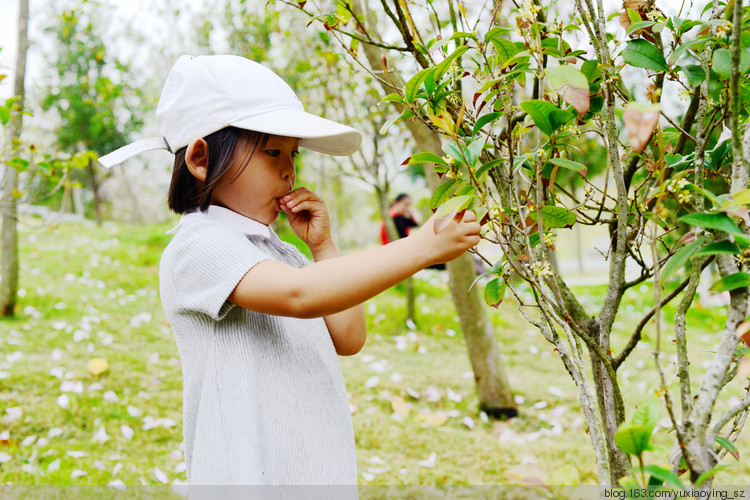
458	235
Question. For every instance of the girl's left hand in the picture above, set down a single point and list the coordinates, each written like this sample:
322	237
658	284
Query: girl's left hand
308	216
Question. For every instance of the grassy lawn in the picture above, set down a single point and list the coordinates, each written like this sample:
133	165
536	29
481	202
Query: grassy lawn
93	293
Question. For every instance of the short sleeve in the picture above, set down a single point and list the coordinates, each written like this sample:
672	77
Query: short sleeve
209	260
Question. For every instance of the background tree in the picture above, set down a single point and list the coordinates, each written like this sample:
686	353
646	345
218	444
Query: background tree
98	109
512	101
9	276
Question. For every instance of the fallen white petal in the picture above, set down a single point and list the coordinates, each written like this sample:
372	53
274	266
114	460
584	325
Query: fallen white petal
99	465
468	422
556	391
133	411
4	436
96	386
410	324
100	436
432	394
54	465
396	377
13	413
430	462
77	473
117	484
127	431
54	432
160	476
411	392
28	441
116	469
42	442
180	467
111	397
63	401
367	476
5	458
453	396
57	354
76	454
539	405
57	372
372	382
376	460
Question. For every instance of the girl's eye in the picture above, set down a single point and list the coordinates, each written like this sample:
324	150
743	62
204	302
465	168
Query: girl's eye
295	154
273	152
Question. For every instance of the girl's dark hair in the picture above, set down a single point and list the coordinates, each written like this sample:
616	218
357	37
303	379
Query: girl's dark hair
226	147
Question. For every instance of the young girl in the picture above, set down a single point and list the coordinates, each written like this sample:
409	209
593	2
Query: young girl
258	328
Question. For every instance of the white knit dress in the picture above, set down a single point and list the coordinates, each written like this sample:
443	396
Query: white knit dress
264	397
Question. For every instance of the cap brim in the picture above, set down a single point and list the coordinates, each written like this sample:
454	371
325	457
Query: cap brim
132	149
314	132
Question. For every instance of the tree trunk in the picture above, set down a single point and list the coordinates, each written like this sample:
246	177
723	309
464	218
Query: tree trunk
493	390
9	276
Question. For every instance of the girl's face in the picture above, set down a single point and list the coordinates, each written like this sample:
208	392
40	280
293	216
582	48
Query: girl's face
268	176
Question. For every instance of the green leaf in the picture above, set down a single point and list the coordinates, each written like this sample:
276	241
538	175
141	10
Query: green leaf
406	114
425	158
454	151
720	247
742	197
682	49
394	97
663	475
442	68
591	71
639	26
722	63
570	165
505	49
647	414
729	446
731	282
473	151
4	115
642	54
487	166
719	222
484	120
679	259
546	115
412	86
494	291
695	74
555	217
442	193
633	439
560	76
711	473
455	205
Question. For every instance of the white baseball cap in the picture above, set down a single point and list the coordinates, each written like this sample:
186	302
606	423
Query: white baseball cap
205	94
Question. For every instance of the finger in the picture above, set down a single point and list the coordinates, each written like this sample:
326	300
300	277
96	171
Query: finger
473	228
298	196
469	216
314	207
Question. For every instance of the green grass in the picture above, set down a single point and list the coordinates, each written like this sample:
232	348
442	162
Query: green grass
93	293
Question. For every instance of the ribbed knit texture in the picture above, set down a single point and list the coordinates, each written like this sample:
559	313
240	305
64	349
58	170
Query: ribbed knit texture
264	397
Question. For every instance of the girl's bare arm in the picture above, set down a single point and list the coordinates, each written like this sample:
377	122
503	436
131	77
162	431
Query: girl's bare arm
332	285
